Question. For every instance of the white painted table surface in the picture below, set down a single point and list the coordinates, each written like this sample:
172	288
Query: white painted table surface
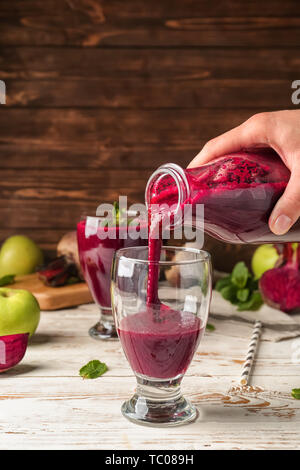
45	404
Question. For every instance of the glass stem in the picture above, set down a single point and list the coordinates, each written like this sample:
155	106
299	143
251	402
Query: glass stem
105	328
159	390
159	402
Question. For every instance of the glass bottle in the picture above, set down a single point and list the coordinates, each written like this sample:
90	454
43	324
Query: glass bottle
238	192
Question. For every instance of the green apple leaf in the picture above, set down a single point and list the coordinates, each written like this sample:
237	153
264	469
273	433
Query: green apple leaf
93	369
8	279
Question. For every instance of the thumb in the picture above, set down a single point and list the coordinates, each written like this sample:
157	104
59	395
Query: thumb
287	210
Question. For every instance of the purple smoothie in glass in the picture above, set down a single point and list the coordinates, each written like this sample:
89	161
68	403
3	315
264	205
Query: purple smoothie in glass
96	257
160	342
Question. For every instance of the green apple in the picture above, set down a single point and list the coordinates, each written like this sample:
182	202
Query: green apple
19	311
263	259
19	255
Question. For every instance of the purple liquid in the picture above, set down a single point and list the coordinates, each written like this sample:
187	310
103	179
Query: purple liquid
239	192
160	342
96	257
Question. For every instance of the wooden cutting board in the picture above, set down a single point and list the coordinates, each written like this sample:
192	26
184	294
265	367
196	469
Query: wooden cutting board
53	298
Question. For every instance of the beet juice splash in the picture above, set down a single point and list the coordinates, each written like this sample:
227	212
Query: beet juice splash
159	341
238	192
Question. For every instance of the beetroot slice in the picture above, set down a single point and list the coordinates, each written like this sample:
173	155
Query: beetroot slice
12	350
280	286
58	272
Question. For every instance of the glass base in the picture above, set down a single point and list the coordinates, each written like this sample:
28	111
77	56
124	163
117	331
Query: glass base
159	403
105	328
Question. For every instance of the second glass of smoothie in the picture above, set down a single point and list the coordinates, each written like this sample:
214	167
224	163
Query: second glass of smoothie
97	245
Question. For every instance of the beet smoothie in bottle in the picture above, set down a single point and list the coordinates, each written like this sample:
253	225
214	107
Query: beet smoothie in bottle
238	192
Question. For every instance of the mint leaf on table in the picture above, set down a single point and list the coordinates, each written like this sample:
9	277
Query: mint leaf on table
8	279
243	294
240	275
254	303
296	393
252	283
210	327
224	282
229	293
240	288
93	369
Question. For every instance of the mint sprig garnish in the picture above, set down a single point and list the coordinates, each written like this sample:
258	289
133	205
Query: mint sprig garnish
240	288
8	279
93	369
210	327
116	213
296	393
117	218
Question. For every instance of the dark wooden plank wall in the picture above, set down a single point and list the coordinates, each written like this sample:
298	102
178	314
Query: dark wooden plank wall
100	92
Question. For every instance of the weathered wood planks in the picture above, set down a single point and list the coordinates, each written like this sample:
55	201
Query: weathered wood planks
45	404
103	23
100	93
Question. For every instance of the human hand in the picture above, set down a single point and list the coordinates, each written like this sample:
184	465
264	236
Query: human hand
279	130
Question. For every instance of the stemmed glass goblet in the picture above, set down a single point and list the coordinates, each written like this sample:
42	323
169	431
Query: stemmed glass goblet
97	245
160	340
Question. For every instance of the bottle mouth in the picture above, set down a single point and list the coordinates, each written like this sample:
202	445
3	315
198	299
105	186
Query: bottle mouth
179	177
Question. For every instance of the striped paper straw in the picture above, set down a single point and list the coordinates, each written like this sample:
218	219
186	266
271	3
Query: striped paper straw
251	353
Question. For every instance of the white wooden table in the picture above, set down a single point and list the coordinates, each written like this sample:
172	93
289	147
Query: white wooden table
45	404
